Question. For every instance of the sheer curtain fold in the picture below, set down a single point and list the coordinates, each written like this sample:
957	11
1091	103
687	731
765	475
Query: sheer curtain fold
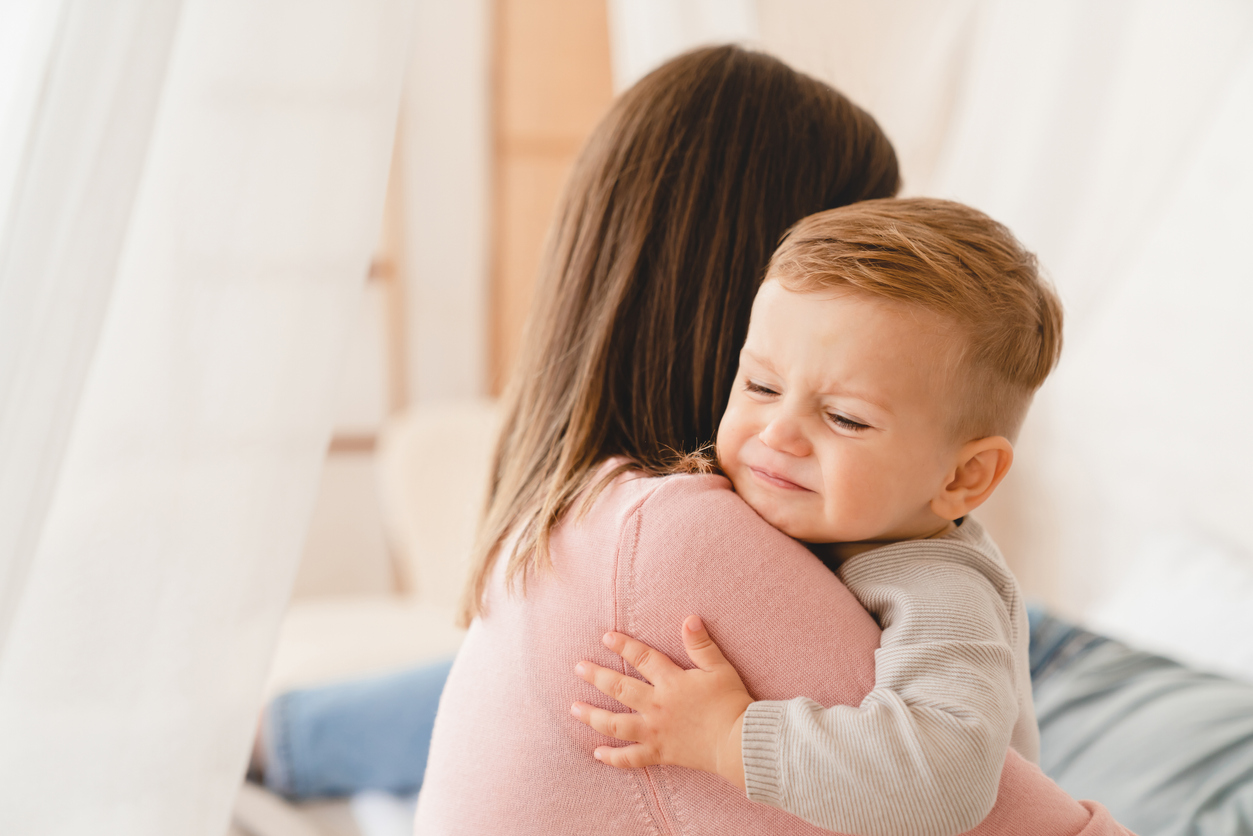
1112	138
183	252
77	122
1084	126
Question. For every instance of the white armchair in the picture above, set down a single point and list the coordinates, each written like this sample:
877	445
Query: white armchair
432	468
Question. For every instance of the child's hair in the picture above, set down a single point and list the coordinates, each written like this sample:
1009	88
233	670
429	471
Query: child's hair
954	261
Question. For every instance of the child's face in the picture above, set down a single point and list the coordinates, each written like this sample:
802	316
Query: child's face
836	430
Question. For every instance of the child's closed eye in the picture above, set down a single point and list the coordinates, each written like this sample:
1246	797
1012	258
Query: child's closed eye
757	388
846	423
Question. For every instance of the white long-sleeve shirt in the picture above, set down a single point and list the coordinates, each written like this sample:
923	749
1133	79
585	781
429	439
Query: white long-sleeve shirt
922	754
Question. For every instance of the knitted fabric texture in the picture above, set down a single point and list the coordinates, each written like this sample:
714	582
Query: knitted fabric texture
922	754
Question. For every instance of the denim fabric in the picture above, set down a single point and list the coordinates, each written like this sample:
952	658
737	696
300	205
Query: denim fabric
367	734
1168	749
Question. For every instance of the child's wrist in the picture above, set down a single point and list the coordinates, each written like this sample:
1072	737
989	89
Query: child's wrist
730	753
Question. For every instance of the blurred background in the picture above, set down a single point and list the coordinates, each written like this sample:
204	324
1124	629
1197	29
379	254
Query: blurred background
286	251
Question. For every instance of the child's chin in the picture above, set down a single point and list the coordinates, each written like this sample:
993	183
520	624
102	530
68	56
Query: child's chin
778	514
803	530
790	527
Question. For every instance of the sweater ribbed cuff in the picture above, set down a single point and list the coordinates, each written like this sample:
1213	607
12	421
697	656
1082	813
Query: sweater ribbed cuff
759	746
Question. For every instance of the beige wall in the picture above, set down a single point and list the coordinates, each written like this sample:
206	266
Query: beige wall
551	85
446	154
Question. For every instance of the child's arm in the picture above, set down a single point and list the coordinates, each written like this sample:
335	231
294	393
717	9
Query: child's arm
921	755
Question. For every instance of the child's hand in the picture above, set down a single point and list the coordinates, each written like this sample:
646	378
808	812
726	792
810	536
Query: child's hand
686	718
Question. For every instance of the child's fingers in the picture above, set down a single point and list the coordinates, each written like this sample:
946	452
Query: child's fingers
700	647
625	689
652	663
627	757
621	726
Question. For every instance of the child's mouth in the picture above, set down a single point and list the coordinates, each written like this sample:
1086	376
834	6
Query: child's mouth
775	480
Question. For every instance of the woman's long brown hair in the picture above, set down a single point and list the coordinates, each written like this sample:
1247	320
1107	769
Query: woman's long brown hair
656	252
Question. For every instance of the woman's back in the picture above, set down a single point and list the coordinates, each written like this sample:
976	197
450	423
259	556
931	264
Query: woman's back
506	754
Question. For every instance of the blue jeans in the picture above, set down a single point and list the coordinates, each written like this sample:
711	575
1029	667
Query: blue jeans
365	734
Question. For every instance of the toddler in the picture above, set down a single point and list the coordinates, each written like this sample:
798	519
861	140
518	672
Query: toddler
892	353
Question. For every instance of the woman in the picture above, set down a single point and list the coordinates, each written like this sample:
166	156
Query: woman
629	356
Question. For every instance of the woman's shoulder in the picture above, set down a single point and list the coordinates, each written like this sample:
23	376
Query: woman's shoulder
691	504
689	544
694	519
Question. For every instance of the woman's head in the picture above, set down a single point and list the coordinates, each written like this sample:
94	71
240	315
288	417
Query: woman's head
657	249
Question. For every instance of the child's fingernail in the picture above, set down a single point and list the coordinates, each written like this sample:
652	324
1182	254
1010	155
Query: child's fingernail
694	624
580	669
607	639
574	709
597	755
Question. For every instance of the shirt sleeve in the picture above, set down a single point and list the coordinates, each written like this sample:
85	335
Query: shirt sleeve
922	753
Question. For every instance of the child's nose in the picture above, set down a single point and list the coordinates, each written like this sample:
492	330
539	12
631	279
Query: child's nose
785	434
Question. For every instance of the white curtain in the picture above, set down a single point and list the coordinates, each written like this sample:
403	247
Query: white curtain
69	170
189	195
1113	137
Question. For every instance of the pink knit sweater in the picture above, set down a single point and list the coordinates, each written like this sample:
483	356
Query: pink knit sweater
507	757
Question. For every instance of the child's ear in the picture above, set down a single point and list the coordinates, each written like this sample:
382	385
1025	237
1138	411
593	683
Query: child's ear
981	465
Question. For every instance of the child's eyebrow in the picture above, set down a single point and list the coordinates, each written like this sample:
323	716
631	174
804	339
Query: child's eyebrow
827	389
844	391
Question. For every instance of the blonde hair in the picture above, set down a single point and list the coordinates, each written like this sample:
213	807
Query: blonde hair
653	259
957	262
